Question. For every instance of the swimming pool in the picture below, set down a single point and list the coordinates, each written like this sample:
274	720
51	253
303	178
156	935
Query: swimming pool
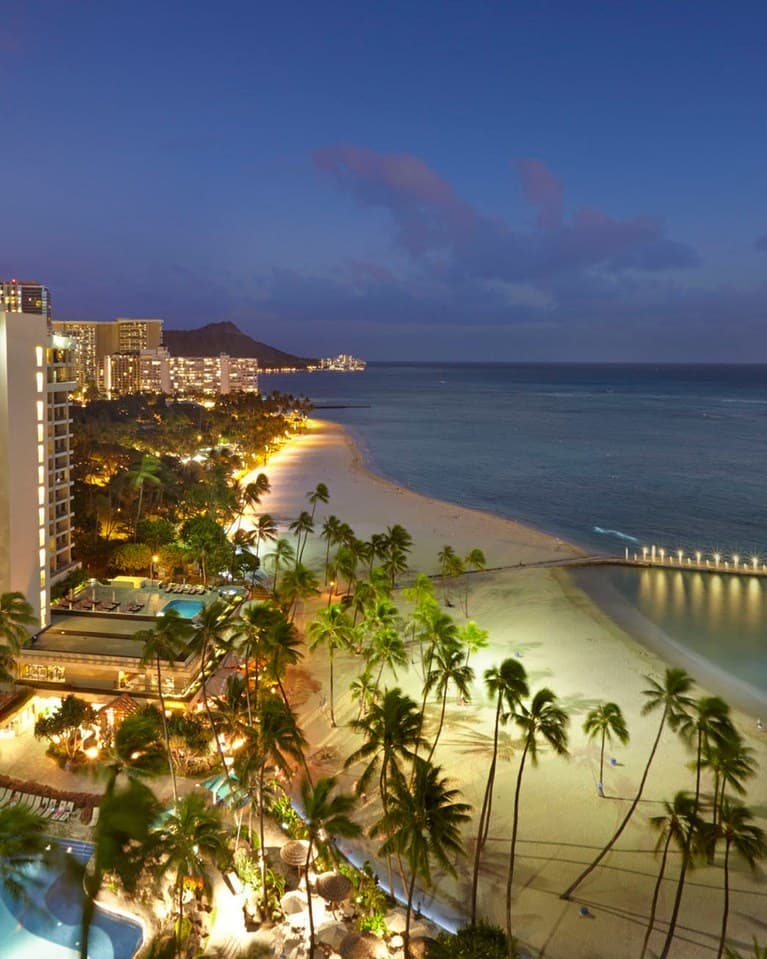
49	923
188	608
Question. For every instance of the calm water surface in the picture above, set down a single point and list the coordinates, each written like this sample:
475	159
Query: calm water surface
606	456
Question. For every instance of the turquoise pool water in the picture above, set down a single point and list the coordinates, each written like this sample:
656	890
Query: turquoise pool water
48	924
188	608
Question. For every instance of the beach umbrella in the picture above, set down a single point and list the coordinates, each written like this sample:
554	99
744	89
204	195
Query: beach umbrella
357	946
333	886
293	902
294	852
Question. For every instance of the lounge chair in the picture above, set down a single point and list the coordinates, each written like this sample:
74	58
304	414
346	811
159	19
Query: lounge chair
60	810
3	796
50	809
66	812
34	806
94	816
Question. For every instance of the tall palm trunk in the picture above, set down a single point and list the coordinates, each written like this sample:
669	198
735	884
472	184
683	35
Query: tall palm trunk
567	894
678	898
726	910
656	895
602	764
209	712
261	835
491	776
439	728
484	814
165	731
515	824
332	686
685	857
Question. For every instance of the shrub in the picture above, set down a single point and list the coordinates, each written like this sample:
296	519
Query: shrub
480	941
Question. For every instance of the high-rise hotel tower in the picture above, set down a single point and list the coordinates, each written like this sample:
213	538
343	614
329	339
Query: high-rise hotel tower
35	446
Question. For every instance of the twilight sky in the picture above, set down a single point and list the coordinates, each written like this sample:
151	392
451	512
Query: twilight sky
402	180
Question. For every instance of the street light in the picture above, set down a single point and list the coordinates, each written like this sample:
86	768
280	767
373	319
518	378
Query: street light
152	566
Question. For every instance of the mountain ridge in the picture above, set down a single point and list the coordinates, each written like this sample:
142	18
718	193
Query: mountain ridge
226	337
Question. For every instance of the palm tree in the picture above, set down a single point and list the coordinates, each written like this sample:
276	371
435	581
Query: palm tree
671	696
672	826
387	650
282	555
297	584
392	733
707	724
760	952
473	638
136	751
301	528
145	471
274	740
22	842
422	822
192	841
211	623
282	648
448	667
450	567
398	543
334	628
164	642
15	617
265	530
605	720
475	559
744	839
319	494
732	763
544	719
331	533
249	639
324	815
363	688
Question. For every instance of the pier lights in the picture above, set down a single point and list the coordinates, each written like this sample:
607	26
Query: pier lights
680	554
662	555
697	556
754	562
644	552
735	561
717	557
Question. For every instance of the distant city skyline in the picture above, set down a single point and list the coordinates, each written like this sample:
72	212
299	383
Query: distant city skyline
544	181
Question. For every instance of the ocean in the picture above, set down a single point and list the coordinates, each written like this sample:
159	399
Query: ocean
607	456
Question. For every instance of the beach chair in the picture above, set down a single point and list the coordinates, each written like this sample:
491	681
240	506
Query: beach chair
94	816
34	806
60	810
24	800
50	809
3	795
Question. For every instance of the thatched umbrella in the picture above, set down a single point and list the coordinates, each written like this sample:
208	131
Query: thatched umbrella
356	946
294	852
333	887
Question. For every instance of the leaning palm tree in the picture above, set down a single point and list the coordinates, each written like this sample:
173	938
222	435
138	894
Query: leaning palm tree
473	638
605	720
334	629
301	527
325	815
732	762
448	667
671	696
192	840
741	837
297	585
265	530
507	683
319	494
672	826
542	719
16	617
422	823
164	643
22	842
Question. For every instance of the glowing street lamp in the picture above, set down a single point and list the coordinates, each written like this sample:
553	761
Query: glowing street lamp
754	561
679	554
735	561
697	557
152	566
717	557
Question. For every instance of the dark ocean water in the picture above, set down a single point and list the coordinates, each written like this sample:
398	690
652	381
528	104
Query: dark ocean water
605	456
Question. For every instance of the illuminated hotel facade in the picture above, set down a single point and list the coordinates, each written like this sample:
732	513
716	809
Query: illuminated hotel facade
94	341
35	447
156	371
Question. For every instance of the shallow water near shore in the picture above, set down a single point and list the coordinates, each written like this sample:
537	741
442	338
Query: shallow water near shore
604	456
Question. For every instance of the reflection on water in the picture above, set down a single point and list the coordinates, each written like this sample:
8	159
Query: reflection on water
722	618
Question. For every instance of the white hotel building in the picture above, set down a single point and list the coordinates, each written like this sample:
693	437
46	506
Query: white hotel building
35	447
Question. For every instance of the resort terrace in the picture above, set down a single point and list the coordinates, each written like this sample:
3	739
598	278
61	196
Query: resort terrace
94	650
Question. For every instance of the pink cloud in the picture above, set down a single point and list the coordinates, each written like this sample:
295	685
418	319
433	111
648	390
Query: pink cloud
542	189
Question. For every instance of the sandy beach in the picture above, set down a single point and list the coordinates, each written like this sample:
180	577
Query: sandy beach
568	644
